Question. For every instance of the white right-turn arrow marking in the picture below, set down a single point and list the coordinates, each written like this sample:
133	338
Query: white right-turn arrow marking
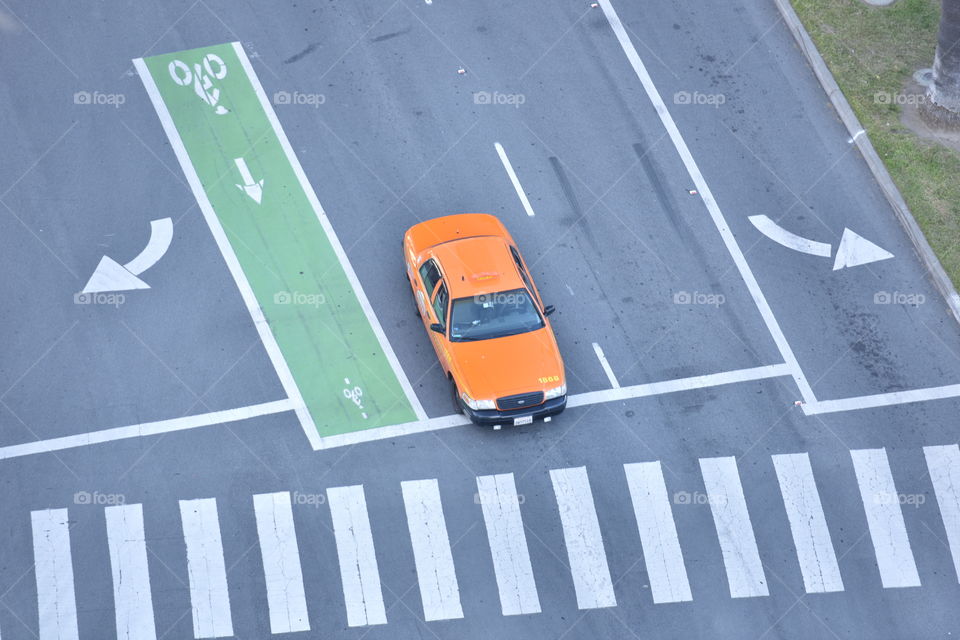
855	250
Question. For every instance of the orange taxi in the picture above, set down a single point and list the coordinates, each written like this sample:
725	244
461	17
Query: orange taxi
486	319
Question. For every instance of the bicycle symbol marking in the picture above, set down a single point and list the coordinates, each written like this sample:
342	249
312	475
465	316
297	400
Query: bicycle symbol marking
355	395
202	78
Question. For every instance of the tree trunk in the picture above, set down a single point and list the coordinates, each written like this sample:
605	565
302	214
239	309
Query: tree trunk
944	91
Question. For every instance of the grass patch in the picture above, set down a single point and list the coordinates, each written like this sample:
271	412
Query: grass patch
875	50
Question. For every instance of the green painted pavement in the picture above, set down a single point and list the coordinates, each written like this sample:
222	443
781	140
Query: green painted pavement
289	260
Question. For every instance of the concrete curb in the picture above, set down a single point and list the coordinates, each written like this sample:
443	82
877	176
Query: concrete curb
879	170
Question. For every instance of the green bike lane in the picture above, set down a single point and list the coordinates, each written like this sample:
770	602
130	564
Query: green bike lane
315	321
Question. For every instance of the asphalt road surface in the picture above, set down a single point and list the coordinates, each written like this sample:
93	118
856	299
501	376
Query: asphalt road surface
758	444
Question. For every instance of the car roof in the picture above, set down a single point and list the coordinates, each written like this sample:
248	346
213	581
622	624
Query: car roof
477	265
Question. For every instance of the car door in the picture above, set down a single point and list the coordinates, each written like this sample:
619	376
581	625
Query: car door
428	276
440	311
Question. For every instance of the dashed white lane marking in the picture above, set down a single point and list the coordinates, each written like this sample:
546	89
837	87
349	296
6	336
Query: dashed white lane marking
606	366
359	572
53	565
882	399
132	598
281	562
811	537
729	241
658	533
513	178
508	544
741	558
436	575
581	532
885	519
209	597
944	466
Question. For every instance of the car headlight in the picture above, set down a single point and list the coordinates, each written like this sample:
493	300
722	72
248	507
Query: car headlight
556	392
477	405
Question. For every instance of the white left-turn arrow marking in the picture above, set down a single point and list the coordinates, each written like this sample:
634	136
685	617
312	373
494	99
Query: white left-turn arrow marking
110	275
252	188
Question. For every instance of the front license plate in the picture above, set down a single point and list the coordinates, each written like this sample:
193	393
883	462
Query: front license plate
522	420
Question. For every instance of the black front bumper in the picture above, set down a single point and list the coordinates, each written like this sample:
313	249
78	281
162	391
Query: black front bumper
490	417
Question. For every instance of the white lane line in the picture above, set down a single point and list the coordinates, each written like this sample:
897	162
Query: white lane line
145	429
606	366
581	532
741	558
785	238
882	399
53	565
436	575
508	544
281	562
811	537
226	250
706	195
209	597
944	466
334	240
658	533
132	598
359	572
885	519
513	178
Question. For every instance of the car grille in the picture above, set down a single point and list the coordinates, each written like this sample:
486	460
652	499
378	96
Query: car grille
520	401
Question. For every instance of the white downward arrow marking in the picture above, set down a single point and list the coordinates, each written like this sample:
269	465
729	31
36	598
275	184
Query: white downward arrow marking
112	276
249	186
855	250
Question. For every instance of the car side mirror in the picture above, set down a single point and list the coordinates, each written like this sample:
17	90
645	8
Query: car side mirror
547	310
437	327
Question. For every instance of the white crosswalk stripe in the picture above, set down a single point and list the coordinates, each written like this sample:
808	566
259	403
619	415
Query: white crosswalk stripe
56	600
885	519
944	466
658	533
281	562
741	558
808	525
581	531
132	596
432	555
209	598
508	544
358	559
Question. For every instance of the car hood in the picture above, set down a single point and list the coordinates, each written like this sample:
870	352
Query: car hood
490	369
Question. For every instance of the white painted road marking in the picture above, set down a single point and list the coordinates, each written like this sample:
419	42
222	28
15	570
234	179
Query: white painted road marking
741	558
581	532
145	429
508	544
112	276
53	565
729	241
606	366
658	533
281	562
855	250
359	572
513	178
251	187
790	240
436	575
132	598
882	399
944	465
885	519
811	537
209	597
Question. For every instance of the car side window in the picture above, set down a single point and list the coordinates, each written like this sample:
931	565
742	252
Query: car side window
440	304
523	272
430	275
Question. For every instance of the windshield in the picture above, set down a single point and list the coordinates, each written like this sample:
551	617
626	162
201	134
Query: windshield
494	315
